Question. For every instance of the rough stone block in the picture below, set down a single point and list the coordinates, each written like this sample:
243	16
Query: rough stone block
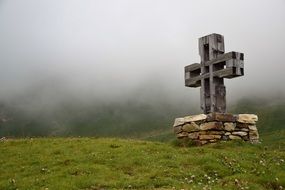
252	127
247	118
178	121
211	126
190	127
229	126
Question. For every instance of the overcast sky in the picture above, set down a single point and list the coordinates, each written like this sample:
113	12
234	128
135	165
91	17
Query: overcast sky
110	48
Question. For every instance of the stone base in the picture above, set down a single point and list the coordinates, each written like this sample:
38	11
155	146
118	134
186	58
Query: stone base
211	128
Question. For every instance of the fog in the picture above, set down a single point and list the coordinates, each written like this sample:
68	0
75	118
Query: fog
113	51
109	48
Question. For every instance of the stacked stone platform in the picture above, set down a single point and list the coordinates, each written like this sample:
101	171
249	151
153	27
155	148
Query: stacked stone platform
211	128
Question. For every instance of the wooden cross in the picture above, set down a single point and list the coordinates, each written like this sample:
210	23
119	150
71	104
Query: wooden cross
210	73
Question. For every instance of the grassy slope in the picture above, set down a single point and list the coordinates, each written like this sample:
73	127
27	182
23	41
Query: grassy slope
125	119
103	163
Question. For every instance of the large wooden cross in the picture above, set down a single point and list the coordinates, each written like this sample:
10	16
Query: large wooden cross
210	73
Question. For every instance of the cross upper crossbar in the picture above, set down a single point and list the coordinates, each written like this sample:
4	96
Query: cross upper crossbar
210	73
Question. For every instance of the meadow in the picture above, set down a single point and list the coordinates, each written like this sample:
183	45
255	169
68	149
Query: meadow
133	147
113	163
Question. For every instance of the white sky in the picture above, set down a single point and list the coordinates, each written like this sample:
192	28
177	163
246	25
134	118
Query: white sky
109	48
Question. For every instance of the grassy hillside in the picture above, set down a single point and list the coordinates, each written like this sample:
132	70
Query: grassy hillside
104	163
126	119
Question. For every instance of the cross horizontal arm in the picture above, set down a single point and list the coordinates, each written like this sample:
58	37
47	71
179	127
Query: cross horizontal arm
194	82
229	65
225	57
229	73
193	71
192	67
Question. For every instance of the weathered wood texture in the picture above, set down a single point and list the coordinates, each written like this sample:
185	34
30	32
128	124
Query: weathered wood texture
210	73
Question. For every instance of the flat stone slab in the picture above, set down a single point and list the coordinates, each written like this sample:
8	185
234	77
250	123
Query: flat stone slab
178	122
247	118
194	118
240	133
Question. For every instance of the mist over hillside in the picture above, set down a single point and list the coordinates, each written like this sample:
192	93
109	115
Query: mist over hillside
116	68
150	109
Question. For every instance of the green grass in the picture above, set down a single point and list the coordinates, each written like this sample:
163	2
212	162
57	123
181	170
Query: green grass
108	163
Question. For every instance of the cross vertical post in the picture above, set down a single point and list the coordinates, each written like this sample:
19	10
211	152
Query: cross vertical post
210	73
